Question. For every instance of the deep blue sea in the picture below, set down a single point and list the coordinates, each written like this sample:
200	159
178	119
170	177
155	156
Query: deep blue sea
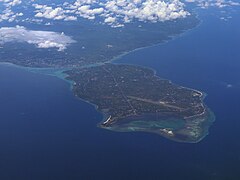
48	134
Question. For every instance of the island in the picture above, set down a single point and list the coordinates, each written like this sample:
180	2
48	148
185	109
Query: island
133	98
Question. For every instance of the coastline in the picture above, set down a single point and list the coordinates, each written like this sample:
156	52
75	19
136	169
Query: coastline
202	128
60	72
115	58
55	72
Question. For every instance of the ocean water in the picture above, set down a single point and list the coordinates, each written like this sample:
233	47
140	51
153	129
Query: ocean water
47	133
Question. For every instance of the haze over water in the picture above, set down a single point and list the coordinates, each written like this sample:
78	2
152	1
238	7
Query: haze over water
46	133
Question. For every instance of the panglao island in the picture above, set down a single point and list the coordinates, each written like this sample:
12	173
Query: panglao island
131	98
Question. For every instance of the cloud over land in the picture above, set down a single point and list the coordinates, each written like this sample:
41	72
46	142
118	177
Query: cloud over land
41	39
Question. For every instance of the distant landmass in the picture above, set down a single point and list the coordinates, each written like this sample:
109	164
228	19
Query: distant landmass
92	43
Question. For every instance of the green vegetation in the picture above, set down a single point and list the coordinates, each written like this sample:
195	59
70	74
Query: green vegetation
134	99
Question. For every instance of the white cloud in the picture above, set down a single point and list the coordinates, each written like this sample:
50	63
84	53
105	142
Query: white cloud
44	11
115	12
214	3
42	39
11	2
110	20
8	14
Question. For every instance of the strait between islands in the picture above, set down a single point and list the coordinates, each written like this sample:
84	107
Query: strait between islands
133	98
